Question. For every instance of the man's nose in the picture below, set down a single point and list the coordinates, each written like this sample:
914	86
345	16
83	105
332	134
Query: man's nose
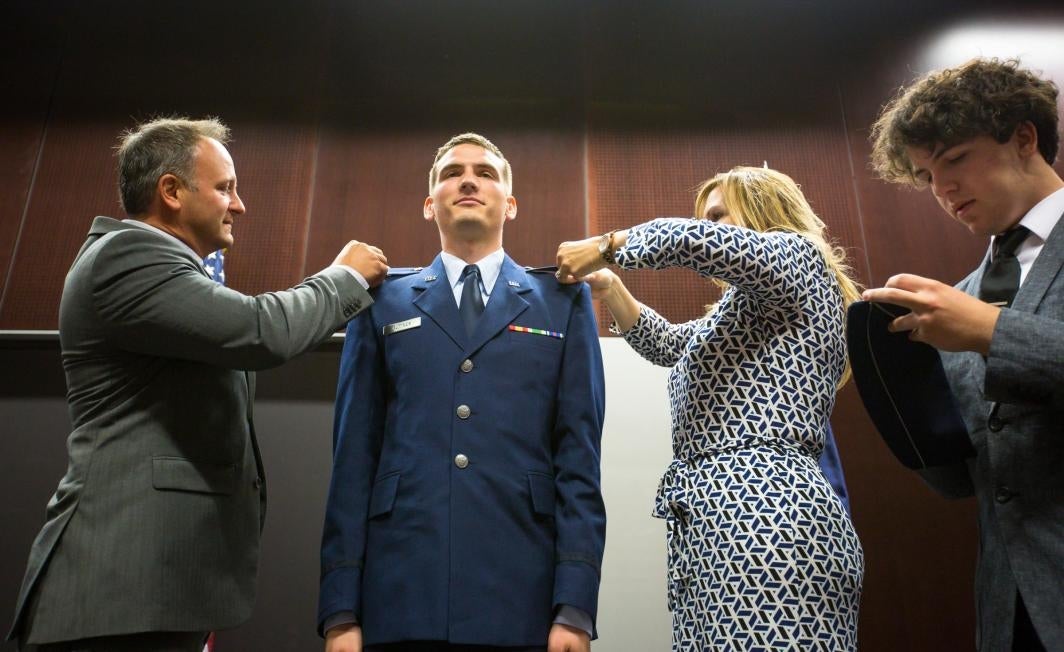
469	183
941	186
236	204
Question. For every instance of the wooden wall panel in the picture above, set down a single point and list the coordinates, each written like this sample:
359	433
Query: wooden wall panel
635	176
274	166
75	181
371	186
28	70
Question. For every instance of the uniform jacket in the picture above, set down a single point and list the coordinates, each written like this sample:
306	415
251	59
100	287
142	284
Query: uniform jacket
155	526
465	502
1013	406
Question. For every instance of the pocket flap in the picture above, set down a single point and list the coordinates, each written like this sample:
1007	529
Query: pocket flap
383	498
180	474
541	486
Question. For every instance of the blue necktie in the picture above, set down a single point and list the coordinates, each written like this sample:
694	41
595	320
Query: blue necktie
472	304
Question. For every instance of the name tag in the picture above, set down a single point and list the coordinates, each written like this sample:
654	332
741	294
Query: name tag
400	326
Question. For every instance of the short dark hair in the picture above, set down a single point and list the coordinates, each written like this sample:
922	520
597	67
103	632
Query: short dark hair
158	147
983	97
469	138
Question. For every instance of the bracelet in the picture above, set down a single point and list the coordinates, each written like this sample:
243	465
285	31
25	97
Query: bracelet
606	248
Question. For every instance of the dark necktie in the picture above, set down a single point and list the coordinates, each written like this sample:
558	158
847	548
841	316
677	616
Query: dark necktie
1001	279
472	304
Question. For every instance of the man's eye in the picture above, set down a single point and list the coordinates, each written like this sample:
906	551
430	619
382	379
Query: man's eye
957	158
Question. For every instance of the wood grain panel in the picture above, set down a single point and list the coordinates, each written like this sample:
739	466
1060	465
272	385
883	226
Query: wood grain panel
75	181
30	58
919	547
274	164
635	176
371	185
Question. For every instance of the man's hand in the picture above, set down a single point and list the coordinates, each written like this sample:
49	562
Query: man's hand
564	638
344	638
578	259
942	316
367	260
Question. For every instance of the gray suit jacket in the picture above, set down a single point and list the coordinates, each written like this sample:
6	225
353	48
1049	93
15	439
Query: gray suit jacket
1013	406
155	526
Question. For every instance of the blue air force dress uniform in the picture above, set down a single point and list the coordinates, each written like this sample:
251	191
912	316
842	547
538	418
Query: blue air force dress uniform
465	501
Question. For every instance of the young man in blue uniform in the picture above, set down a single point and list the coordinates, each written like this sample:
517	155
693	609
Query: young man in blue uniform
465	509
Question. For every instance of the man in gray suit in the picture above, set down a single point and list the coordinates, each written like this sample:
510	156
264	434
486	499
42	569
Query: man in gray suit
152	537
984	136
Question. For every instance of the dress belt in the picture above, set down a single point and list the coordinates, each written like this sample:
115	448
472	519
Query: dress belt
673	503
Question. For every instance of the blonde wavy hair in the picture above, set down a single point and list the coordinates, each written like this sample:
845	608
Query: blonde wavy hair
768	201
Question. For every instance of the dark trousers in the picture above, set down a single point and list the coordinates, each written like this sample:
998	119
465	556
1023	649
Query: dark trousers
440	646
143	642
1024	637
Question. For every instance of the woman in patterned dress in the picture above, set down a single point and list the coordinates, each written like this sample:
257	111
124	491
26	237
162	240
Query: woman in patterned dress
761	553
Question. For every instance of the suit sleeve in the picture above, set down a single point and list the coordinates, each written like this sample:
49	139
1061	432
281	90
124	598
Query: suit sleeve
1024	365
580	516
154	300
358	431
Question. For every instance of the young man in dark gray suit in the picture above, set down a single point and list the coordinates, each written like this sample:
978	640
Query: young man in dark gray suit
984	136
152	536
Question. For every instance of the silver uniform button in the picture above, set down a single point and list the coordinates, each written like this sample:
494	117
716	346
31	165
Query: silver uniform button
463	411
467	365
461	461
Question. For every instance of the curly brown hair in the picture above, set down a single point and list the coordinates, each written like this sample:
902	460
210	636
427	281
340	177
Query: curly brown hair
983	97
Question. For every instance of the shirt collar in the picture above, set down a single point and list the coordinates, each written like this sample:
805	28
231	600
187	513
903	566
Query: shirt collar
490	267
1041	219
145	225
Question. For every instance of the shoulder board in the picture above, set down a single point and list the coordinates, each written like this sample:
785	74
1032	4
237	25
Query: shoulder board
403	271
550	269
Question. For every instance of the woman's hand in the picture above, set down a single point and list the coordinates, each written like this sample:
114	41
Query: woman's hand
578	259
601	283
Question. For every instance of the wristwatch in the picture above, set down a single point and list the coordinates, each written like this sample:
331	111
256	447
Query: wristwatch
606	247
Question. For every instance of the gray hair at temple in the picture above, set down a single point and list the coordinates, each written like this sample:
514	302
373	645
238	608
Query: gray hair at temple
157	147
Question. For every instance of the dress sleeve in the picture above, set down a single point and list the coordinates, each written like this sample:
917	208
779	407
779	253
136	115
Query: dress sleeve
657	340
778	268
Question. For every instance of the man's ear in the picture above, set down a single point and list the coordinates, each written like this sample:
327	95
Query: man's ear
1026	136
429	211
511	208
167	188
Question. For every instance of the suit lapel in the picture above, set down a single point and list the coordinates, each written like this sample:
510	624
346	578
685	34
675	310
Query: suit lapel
967	364
436	299
1045	269
504	305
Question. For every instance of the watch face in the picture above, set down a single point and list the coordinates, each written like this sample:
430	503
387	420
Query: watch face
604	243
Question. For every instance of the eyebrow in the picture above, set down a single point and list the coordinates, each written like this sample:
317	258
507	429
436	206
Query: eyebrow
936	153
476	166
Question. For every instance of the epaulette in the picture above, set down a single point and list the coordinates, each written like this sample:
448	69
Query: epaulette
403	271
549	269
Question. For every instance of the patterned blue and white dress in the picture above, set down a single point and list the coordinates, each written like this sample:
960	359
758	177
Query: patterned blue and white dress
761	552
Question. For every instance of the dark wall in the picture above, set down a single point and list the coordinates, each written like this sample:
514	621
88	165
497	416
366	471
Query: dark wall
610	112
